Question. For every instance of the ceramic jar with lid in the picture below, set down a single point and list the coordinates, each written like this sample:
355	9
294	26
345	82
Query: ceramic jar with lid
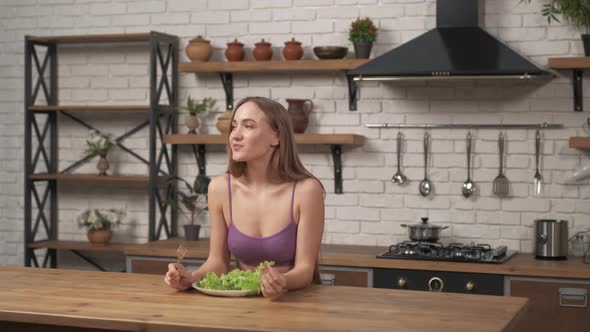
199	49
292	50
262	51
234	51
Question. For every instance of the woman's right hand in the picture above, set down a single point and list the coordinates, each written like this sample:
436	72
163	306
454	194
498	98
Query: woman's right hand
178	277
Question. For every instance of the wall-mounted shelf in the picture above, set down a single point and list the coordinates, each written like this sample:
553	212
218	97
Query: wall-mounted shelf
91	177
577	64
57	108
580	142
226	70
334	140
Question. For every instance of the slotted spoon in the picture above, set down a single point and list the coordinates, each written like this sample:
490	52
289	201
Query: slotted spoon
501	184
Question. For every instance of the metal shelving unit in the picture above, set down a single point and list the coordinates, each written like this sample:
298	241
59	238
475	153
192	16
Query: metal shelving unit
41	140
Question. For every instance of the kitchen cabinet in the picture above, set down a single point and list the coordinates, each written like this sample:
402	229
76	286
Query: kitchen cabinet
346	276
555	304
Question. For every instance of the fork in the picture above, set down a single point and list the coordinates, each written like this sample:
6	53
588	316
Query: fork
537	179
180	253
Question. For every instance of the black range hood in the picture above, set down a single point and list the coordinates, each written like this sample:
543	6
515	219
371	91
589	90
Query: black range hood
458	48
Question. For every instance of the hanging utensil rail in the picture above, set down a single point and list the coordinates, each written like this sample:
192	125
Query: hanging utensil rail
543	125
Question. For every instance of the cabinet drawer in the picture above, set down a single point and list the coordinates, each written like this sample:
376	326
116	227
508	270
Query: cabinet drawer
555	304
343	276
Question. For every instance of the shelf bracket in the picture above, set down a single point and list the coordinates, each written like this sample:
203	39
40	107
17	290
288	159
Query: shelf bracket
352	92
228	86
578	94
199	151
337	158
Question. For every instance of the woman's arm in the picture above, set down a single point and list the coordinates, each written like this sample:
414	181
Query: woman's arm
219	255
179	277
310	232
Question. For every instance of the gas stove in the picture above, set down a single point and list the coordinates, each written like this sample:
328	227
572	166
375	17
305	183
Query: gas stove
454	252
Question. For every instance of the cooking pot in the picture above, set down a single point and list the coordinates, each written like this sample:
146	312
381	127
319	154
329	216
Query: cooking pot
424	231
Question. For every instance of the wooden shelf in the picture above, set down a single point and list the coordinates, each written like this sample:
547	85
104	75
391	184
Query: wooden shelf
102	38
330	139
578	65
91	177
89	108
80	245
270	66
569	62
580	142
227	69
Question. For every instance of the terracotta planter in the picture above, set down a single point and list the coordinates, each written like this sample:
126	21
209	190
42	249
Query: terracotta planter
199	49
292	50
223	122
102	165
234	51
299	110
100	236
262	51
192	123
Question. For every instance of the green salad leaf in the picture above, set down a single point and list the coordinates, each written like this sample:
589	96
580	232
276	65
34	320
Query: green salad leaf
236	279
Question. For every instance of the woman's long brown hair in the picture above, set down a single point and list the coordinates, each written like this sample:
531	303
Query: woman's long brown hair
284	161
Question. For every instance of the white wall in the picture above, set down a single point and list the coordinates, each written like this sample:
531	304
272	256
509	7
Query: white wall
372	208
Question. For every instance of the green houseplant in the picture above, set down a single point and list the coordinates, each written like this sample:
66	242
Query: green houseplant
576	12
99	144
191	202
195	108
98	224
362	34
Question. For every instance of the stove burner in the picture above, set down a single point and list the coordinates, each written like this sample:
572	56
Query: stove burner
457	252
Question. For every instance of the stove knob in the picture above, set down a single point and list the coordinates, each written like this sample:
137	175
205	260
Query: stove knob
402	282
469	286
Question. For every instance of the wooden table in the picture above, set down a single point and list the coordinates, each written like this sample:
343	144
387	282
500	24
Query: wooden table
71	300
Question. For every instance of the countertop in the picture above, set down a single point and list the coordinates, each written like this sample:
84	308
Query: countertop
364	256
142	302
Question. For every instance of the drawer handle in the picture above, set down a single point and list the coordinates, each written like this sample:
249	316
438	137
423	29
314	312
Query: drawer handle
432	284
573	294
469	286
328	279
402	282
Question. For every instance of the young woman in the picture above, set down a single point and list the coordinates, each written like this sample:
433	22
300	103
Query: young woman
267	207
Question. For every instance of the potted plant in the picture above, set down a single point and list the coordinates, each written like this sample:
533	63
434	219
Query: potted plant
194	108
192	203
362	34
576	12
99	144
98	224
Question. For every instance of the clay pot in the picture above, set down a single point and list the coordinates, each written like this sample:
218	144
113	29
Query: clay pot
292	50
262	51
199	49
299	110
99	236
192	123
234	51
223	123
102	165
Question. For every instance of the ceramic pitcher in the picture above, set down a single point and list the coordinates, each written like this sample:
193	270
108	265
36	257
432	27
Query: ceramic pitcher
299	110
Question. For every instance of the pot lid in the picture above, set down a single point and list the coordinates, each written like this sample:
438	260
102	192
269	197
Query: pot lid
199	39
425	225
262	42
293	41
235	42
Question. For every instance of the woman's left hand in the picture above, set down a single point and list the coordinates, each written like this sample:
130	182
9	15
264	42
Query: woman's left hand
273	283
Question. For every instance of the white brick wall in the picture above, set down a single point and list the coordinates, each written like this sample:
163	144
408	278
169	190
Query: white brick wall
372	208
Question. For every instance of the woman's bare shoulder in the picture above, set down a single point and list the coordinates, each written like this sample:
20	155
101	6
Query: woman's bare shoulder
218	185
311	186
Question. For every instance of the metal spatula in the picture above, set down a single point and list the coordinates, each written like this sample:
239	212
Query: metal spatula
501	184
538	179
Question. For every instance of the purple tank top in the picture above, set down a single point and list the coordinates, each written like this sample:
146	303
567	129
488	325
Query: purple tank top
279	247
